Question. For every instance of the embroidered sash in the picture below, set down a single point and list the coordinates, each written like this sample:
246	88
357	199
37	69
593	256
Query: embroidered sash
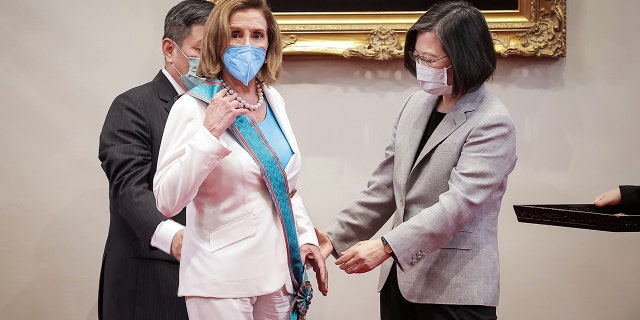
246	131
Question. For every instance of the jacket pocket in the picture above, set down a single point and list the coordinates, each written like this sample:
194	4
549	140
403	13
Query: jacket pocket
232	232
462	241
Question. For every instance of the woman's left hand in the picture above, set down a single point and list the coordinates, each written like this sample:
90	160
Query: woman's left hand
311	256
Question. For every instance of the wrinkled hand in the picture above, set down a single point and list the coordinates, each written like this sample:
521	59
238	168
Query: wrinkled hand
363	257
609	198
221	112
311	256
326	247
176	244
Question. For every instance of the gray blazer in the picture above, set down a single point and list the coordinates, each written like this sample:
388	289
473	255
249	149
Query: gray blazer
445	206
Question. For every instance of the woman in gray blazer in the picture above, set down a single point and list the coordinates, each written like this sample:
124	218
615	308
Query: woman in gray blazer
441	181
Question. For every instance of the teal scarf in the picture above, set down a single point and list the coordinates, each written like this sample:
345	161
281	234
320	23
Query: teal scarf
246	131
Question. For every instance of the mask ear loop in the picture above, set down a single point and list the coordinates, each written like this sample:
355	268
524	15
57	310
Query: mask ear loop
178	71
177	46
446	75
173	65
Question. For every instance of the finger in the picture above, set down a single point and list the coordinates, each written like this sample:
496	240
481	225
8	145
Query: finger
323	281
359	268
220	94
219	99
355	270
350	268
320	234
347	266
310	255
241	111
344	256
237	105
319	267
213	104
602	201
232	100
307	260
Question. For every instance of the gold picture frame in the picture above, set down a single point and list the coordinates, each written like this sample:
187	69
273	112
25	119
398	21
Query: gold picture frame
536	29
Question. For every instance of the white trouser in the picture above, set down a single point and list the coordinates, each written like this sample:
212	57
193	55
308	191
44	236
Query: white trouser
273	306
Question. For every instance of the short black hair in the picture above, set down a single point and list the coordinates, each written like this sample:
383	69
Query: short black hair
466	39
178	22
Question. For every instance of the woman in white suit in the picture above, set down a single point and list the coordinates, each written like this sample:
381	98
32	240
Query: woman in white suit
229	155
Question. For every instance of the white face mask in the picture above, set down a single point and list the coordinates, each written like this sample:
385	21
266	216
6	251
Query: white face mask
432	80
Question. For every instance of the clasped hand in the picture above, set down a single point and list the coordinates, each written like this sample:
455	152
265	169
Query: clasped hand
221	112
362	257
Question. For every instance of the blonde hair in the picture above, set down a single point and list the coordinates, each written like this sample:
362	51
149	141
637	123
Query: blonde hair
217	36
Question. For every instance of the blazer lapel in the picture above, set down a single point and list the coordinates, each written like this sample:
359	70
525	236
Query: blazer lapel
452	121
166	91
408	139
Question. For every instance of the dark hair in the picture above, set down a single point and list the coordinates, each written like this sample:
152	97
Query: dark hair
466	39
178	22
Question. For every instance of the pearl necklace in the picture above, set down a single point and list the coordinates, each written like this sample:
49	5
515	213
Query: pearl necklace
245	104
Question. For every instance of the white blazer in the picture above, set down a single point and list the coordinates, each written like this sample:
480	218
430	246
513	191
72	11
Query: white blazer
233	244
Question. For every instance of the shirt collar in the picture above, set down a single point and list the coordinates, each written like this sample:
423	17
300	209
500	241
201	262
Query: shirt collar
174	83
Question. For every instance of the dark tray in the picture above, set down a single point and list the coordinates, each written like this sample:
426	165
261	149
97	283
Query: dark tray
581	216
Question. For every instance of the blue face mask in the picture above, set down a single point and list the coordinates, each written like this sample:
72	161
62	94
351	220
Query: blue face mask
244	62
190	79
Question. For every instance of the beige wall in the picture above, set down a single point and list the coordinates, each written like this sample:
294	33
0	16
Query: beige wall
64	61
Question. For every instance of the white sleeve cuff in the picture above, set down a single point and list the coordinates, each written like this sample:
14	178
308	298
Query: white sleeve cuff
164	234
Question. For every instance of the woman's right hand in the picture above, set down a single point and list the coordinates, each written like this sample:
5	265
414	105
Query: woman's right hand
609	198
221	112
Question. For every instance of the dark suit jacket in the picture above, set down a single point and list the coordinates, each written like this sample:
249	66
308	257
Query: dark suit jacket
137	281
630	196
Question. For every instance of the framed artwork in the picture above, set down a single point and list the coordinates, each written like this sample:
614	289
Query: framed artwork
375	29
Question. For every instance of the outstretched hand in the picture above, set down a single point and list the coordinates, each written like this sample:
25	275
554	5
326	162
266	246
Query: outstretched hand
609	198
363	257
311	256
326	247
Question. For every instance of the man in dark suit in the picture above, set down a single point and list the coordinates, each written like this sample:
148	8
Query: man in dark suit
139	276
